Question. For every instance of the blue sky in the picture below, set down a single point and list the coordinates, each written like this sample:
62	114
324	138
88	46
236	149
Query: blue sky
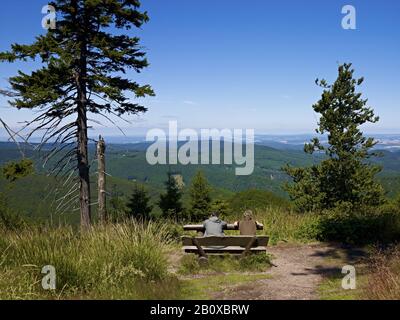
244	64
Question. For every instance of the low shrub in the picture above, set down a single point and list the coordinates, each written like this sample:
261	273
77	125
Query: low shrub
310	229
9	220
365	226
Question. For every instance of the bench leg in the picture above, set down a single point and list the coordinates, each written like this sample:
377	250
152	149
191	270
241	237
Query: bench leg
247	250
201	251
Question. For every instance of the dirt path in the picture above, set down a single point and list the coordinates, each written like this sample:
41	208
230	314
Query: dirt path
298	271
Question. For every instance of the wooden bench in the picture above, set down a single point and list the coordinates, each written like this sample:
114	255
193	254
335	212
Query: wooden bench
225	244
200	228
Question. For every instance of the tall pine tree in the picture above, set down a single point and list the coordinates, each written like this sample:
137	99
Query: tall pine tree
83	67
345	177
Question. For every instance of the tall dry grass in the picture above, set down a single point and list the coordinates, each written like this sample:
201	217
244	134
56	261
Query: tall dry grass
288	226
384	275
114	261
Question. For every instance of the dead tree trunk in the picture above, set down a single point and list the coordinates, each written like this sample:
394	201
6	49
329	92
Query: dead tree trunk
101	147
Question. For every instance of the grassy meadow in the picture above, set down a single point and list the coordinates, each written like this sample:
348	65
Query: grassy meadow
132	260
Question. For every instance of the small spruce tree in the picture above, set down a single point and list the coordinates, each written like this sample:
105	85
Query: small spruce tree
14	170
170	201
139	206
200	198
221	208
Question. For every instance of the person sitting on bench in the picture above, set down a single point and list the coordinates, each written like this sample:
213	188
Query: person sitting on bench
248	226
214	226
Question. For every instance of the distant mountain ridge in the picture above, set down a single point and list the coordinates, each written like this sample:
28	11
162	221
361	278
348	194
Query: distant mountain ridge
128	161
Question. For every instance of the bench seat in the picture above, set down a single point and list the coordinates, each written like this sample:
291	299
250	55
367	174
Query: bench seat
225	244
228	249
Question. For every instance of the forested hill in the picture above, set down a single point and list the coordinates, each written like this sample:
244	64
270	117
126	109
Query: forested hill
128	162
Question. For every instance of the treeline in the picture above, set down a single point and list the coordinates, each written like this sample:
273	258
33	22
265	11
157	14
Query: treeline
200	201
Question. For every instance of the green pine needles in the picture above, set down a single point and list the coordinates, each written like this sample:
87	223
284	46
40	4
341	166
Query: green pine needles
344	178
84	64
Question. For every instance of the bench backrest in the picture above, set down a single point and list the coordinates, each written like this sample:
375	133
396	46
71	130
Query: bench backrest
226	241
230	226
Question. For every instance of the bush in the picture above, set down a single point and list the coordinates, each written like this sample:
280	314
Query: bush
361	227
9	220
13	170
365	226
310	229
